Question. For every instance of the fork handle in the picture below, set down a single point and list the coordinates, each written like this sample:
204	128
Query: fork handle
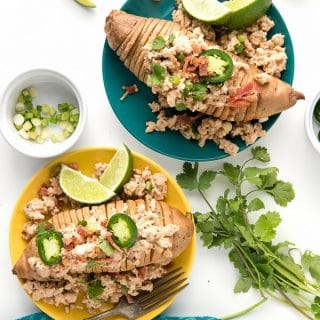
107	314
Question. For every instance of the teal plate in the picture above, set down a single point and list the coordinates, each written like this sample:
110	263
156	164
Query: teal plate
134	111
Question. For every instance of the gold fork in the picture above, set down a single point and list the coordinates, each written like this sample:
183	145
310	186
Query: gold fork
163	290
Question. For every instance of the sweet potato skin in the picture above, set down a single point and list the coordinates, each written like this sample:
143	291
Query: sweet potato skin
167	215
272	98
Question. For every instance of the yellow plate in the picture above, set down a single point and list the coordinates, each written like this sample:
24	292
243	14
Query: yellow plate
86	158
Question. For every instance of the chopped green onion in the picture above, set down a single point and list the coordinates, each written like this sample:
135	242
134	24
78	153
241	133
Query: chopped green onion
52	112
24	134
74	118
148	185
33	92
65	116
45	109
33	135
62	107
18	119
21	99
20	107
65	133
28	115
33	122
27	126
45	122
242	37
238	48
26	92
36	122
175	80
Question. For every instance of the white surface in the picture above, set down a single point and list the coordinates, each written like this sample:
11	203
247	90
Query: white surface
52	89
61	35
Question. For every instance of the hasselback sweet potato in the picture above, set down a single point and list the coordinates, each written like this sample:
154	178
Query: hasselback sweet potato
127	35
155	254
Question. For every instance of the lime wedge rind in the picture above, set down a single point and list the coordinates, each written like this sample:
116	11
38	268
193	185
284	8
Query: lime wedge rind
209	11
119	169
245	12
82	188
86	3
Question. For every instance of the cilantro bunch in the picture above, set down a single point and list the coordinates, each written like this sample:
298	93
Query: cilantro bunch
262	264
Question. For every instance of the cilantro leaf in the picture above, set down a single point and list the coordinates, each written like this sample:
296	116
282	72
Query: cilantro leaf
260	154
282	193
94	289
231	172
315	307
243	285
188	179
206	179
265	226
158	43
171	39
311	262
196	91
261	177
255	205
92	263
181	106
201	217
157	75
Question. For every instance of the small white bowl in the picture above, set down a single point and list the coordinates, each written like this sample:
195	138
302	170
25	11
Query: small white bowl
52	88
312	125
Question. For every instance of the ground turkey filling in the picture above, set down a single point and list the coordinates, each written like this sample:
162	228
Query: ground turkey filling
81	246
268	55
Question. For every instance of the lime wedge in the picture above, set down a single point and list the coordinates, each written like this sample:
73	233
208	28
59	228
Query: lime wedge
86	3
119	169
210	11
82	188
245	12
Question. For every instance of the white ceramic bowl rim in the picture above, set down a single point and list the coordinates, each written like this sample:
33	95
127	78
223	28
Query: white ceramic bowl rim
310	124
13	89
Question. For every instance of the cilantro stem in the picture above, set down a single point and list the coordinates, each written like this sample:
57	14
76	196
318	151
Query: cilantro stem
205	199
253	266
245	311
292	303
253	277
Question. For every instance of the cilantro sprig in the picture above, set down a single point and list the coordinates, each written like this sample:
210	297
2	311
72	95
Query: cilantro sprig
262	264
157	76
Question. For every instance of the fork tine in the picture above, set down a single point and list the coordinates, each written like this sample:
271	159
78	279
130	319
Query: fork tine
160	292
160	283
158	288
161	302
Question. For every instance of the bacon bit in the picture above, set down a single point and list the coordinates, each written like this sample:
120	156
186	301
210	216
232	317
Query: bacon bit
129	298
69	246
245	95
43	191
142	273
195	78
48	226
183	120
187	60
203	67
104	223
129	90
191	69
108	237
82	232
